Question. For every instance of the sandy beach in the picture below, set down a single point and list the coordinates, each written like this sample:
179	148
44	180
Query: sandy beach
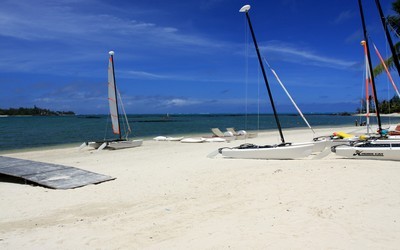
169	195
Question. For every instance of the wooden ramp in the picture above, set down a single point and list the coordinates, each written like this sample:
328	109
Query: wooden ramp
50	175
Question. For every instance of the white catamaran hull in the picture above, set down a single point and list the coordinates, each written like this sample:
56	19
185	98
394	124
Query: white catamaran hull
115	144
277	152
124	144
319	146
377	150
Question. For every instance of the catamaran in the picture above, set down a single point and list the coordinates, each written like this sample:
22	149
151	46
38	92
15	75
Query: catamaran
379	148
284	150
120	142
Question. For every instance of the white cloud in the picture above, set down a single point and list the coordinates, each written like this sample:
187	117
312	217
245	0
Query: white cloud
288	52
344	16
145	75
70	20
181	102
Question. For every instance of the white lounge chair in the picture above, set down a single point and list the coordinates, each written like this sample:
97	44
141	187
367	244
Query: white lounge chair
241	134
227	135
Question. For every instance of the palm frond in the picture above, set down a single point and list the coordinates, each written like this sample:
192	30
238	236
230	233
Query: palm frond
379	69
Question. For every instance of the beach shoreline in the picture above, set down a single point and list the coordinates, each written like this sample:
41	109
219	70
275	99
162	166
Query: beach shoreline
169	195
185	135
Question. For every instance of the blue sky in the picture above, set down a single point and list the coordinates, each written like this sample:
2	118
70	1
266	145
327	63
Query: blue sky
192	56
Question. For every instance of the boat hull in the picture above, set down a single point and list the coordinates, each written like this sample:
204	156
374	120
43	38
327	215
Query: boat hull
276	152
124	144
118	144
94	144
377	151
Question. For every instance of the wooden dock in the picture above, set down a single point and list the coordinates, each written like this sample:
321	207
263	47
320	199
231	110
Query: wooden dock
50	175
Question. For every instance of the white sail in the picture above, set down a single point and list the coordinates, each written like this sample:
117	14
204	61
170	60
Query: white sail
112	96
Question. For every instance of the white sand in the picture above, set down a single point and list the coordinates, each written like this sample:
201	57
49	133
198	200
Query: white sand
169	195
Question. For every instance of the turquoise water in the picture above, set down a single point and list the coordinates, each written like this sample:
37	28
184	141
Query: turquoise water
31	132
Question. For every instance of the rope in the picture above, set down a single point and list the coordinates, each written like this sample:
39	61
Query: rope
393	30
127	128
246	44
387	71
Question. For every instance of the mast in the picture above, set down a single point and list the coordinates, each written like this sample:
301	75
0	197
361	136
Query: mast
115	96
246	9
367	83
370	69
388	37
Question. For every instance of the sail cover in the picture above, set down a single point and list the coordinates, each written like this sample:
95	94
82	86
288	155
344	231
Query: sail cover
112	97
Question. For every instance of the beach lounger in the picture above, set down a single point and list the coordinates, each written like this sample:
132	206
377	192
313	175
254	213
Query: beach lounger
227	135
241	134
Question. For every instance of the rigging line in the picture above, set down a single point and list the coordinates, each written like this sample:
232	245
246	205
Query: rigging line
287	93
246	43
258	96
368	85
127	127
364	83
393	29
386	69
388	37
107	124
387	82
370	66
362	96
264	74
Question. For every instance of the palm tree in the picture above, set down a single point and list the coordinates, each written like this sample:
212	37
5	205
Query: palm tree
394	22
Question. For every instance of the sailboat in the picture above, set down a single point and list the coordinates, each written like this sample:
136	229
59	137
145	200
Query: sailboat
120	142
284	150
379	148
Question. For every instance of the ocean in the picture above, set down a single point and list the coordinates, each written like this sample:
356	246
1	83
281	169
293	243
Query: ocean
30	132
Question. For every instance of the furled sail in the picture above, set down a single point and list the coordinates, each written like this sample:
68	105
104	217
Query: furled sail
112	95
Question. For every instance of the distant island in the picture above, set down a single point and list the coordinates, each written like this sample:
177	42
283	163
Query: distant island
35	111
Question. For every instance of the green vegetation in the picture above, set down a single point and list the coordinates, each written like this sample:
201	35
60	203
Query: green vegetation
35	111
393	105
385	107
393	21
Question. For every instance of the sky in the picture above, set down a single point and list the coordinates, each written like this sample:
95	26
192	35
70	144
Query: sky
193	56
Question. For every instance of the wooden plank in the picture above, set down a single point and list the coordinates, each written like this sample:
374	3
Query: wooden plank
50	175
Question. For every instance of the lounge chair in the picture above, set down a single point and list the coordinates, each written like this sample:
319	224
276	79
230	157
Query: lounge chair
227	135
241	134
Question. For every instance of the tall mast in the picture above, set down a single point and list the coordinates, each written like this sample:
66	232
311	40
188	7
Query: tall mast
370	68
367	83
246	9
111	53
388	37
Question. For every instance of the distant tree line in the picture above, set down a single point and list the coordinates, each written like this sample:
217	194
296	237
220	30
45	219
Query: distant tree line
35	111
385	107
